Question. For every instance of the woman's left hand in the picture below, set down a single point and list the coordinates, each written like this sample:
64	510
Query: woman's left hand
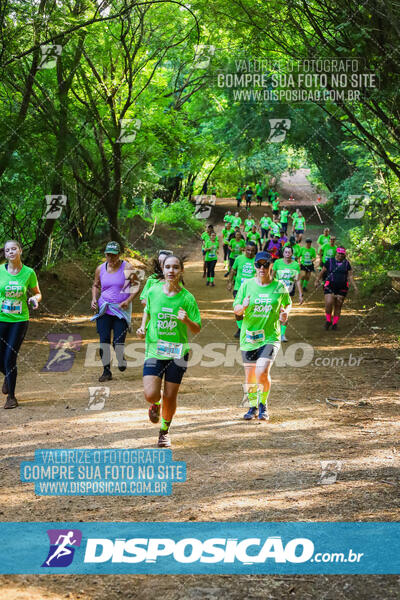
33	300
284	315
124	305
182	315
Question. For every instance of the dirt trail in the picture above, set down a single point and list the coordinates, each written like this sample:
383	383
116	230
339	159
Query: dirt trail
236	470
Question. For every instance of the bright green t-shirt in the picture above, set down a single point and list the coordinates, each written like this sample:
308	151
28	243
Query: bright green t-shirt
228	218
306	255
248	224
244	268
328	251
148	285
211	249
284	215
275	204
166	335
265	222
236	247
206	238
261	323
275	228
13	294
225	234
322	240
300	223
236	222
294	217
259	189
287	273
239	193
254	237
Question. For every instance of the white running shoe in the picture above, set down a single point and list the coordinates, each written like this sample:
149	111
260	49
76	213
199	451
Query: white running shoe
283	338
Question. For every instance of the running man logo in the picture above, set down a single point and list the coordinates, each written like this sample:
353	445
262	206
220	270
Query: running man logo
54	206
356	209
97	397
202	56
62	351
50	54
128	130
63	543
330	471
279	129
204	206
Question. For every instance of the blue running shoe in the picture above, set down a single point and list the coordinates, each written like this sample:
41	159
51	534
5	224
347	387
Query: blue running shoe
262	412
251	413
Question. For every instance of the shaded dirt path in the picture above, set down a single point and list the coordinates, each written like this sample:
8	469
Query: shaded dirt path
236	471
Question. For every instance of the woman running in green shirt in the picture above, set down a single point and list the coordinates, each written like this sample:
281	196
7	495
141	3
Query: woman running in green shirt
254	236
323	238
264	304
284	219
265	224
16	279
287	271
243	268
299	227
248	223
211	258
226	232
236	246
307	258
168	315
205	236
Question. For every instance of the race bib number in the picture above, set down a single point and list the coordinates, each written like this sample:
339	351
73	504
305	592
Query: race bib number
169	349
212	255
253	337
11	307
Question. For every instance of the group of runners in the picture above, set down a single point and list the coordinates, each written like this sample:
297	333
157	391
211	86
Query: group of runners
264	268
260	193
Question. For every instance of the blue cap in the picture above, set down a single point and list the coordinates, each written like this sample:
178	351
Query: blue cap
263	256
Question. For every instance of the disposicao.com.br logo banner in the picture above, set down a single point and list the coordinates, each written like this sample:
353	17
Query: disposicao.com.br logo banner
195	548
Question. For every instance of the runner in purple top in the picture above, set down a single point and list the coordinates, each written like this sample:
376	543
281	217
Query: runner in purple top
119	285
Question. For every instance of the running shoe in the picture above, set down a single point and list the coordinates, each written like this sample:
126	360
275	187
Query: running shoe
154	413
11	402
334	327
164	441
212	284
106	376
283	338
262	412
208	283
237	334
327	324
226	274
123	365
4	389
251	413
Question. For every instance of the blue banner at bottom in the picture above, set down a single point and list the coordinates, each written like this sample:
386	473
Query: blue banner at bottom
200	548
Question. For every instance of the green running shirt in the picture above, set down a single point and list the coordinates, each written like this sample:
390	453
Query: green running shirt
166	335
13	294
261	323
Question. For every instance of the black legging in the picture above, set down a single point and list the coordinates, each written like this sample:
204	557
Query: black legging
105	325
211	268
11	337
226	251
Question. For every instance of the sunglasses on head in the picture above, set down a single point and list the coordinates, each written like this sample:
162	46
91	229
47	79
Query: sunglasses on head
260	264
166	252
